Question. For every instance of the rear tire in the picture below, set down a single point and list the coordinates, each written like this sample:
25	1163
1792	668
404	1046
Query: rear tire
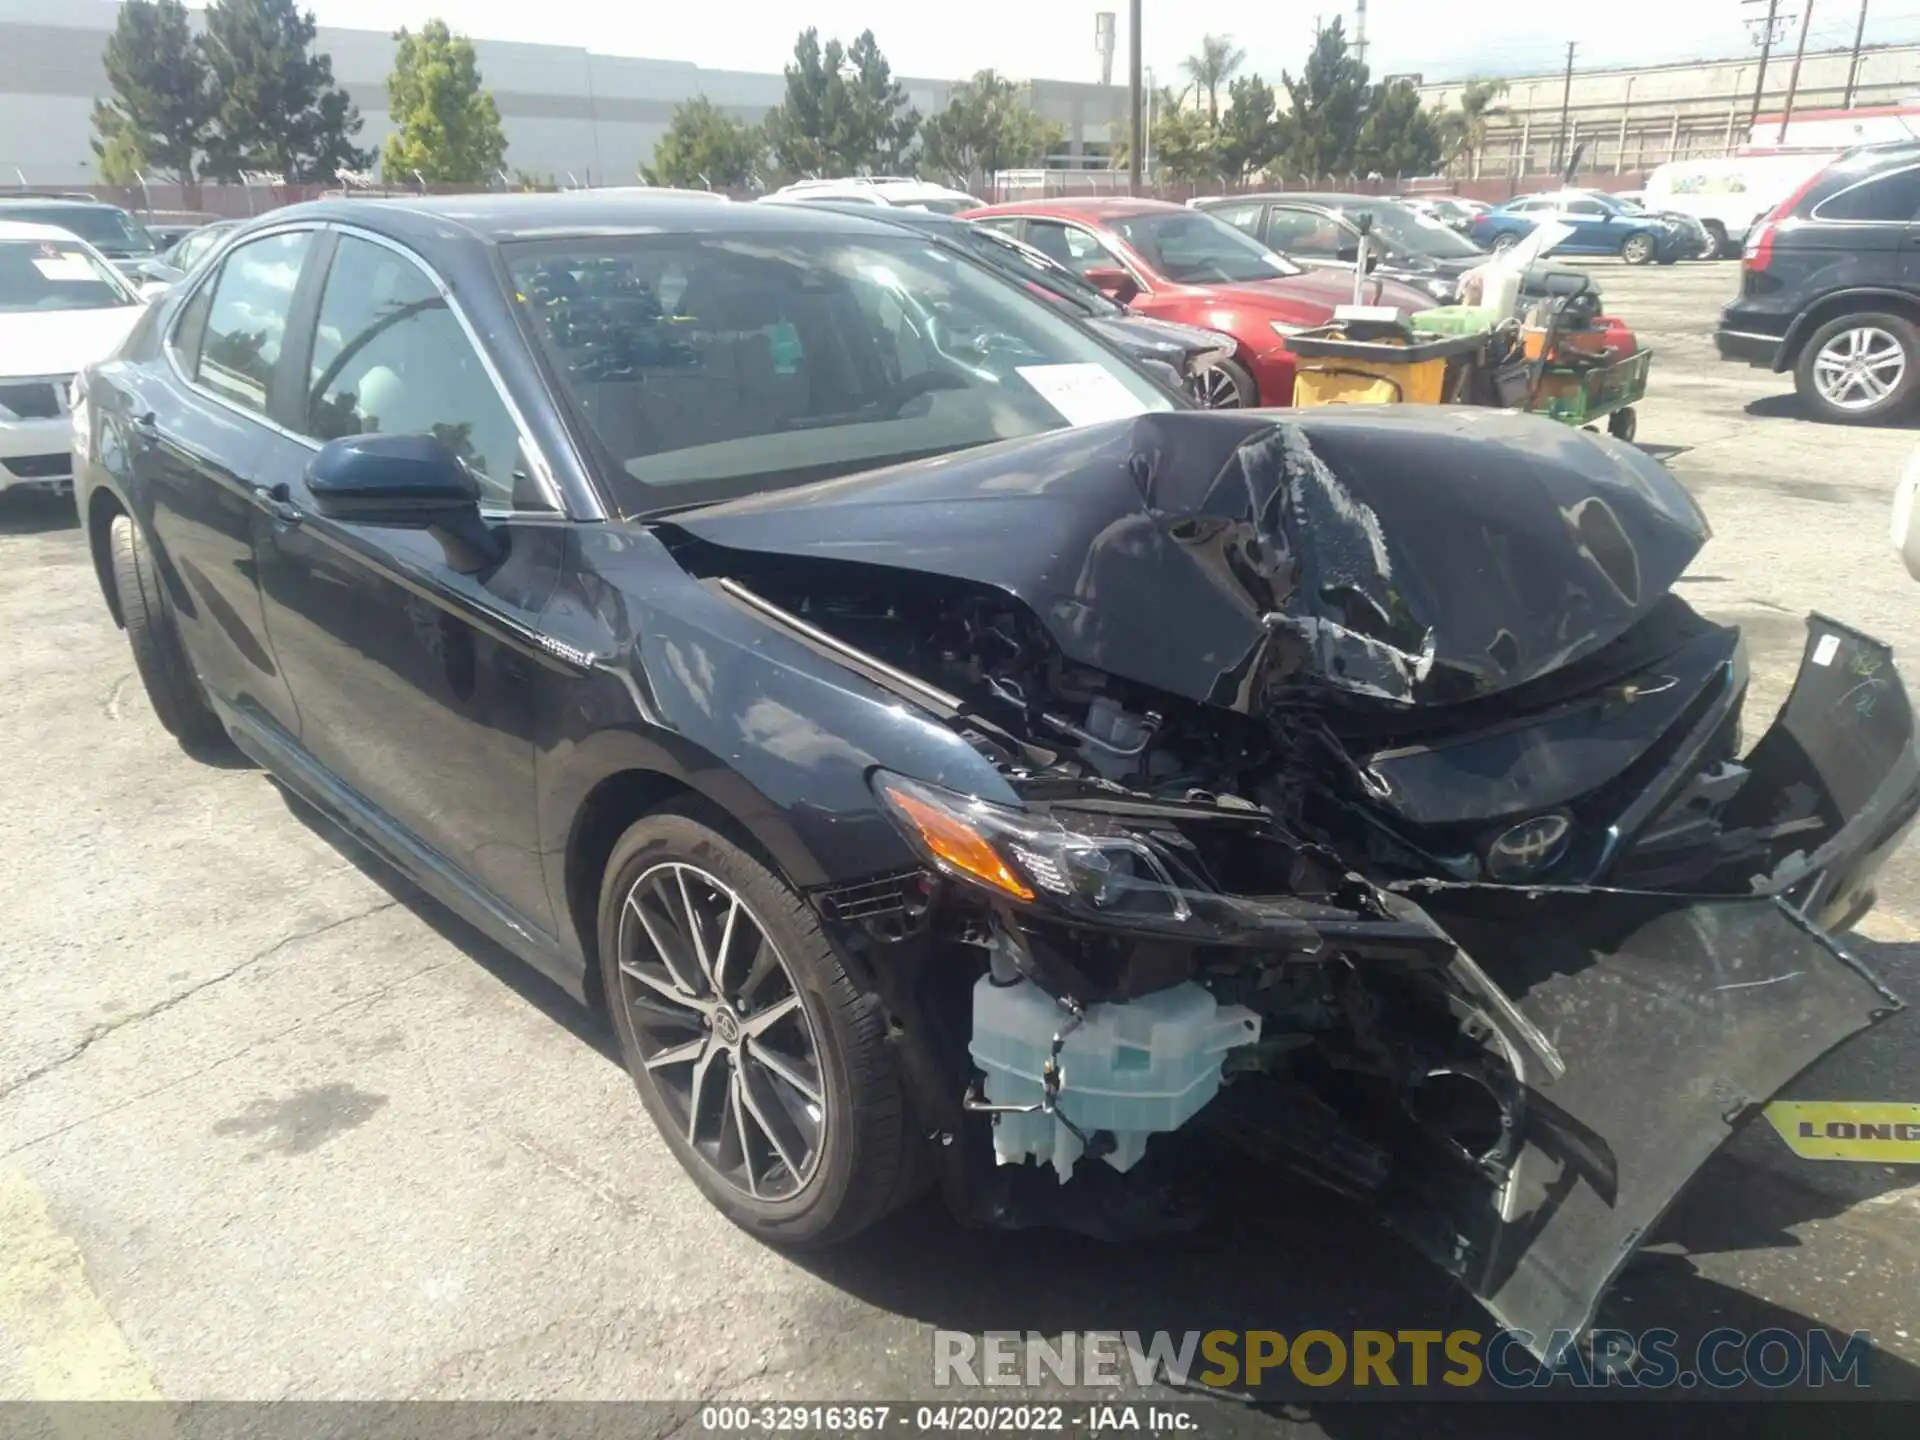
179	702
796	1181
1887	348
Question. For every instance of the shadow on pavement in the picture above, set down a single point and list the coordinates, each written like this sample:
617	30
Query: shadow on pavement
584	1024
1788	406
34	512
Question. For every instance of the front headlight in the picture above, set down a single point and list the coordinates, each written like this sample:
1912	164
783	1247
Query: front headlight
1032	858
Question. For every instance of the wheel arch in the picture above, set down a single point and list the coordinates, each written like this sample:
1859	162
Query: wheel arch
1832	307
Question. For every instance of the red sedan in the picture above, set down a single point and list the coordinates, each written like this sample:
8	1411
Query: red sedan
1173	263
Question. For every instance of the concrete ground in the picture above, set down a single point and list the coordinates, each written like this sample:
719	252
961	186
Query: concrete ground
273	1126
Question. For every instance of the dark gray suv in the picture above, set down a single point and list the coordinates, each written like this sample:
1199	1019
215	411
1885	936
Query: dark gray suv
1830	288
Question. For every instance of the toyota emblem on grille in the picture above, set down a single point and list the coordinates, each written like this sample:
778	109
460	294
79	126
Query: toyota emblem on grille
1530	846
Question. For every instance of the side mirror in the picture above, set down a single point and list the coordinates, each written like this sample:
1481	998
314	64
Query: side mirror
409	482
152	290
1348	254
1112	280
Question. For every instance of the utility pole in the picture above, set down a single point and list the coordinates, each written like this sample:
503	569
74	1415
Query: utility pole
1853	65
1566	106
1136	139
1360	31
1793	76
1766	49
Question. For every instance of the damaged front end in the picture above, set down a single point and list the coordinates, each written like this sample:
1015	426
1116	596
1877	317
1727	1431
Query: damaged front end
1379	809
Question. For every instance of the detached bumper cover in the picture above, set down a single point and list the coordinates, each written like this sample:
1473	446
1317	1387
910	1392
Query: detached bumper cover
1675	1017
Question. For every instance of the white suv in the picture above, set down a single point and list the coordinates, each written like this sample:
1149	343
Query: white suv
879	190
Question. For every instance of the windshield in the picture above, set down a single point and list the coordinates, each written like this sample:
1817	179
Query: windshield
1190	247
1030	267
57	275
709	367
1413	233
111	231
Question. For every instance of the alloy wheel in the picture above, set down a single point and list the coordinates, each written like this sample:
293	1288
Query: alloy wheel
1859	368
722	1031
1215	389
1638	249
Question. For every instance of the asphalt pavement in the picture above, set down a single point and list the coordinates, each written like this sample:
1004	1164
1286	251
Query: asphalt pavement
272	1125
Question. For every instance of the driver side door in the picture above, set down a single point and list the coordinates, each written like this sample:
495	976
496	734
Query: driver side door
413	673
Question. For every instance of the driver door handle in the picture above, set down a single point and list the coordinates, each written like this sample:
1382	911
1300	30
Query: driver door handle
277	501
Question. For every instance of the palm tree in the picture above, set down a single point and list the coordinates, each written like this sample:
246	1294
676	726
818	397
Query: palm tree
1217	62
1467	127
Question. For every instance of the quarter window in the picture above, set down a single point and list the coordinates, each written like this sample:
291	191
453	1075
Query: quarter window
1894	197
246	322
389	356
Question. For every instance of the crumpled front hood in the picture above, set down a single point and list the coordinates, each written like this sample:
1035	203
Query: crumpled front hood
1412	555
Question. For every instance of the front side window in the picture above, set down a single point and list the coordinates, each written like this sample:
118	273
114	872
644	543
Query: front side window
708	366
1070	245
1191	248
1408	230
1591	208
389	356
1244	218
246	322
1306	232
57	275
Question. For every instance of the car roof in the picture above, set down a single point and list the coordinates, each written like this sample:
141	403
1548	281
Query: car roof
1084	207
1306	197
49	202
435	223
30	230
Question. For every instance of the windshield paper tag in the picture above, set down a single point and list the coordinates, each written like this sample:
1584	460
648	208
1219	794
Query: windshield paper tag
1083	394
1824	652
65	267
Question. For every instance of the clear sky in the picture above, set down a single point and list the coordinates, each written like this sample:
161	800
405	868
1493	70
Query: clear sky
1054	38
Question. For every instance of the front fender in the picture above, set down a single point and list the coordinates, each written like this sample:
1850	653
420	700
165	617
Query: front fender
676	680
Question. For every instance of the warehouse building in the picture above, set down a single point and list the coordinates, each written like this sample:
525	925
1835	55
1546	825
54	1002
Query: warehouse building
566	111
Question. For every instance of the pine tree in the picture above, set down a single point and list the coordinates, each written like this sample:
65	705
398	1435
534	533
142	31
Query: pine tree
160	106
276	107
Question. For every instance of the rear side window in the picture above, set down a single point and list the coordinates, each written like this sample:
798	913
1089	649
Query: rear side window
246	322
1894	197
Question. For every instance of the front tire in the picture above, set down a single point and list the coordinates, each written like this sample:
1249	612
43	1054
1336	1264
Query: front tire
1859	369
1225	385
1639	249
1722	246
764	1065
173	689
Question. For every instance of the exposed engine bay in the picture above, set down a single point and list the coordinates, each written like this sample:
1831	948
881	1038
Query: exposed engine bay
1366	772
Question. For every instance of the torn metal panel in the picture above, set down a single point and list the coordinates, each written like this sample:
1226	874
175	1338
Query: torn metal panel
1416	556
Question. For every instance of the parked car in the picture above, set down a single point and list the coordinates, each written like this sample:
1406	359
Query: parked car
1828	289
61	305
172	264
1322	232
1174	263
1601	226
111	231
1183	357
1453	211
906	720
1700	243
1730	195
880	190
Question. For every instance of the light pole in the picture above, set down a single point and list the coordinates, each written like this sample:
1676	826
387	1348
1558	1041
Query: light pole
1136	139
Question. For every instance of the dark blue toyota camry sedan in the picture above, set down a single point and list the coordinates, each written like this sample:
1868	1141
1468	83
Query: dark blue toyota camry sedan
949	759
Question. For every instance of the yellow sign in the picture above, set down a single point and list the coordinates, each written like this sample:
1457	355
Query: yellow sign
1849	1129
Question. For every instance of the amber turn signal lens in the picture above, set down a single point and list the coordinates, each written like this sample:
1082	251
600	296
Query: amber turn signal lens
952	841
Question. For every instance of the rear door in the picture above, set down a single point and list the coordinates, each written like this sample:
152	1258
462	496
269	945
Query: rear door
199	425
